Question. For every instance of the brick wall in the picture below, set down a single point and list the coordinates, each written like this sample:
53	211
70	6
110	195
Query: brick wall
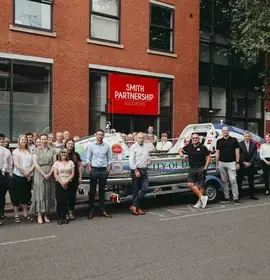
72	54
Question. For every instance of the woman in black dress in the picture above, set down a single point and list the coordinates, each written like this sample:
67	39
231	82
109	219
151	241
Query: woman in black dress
77	179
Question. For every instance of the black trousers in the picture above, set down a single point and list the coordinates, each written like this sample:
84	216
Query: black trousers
61	195
249	172
266	174
140	186
5	182
98	175
72	191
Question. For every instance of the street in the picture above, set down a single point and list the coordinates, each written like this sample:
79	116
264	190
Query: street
172	241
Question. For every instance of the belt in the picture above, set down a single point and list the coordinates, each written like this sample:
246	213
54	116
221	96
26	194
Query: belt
141	168
99	167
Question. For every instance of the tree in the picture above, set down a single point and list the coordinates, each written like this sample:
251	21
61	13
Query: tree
250	32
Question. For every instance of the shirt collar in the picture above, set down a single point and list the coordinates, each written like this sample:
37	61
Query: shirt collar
96	143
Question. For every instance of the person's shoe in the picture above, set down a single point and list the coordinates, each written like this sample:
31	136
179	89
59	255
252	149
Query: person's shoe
65	221
266	192
253	197
225	201
198	204
59	222
71	217
140	211
204	200
90	216
1	223
236	202
105	214
3	217
133	209
67	217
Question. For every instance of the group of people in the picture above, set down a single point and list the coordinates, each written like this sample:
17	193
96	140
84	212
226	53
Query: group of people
234	161
53	171
150	140
41	173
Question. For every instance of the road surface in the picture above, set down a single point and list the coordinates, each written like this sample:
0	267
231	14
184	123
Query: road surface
172	241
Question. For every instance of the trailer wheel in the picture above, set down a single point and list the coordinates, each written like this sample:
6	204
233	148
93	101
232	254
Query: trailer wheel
211	190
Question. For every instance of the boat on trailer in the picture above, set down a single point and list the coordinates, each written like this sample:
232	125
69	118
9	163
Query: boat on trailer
167	172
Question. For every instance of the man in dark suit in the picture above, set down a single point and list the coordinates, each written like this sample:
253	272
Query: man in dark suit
248	155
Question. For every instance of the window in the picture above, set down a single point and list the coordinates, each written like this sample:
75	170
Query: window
161	28
25	98
105	20
35	14
219	102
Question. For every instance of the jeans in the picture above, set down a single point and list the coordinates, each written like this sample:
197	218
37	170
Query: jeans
140	186
98	175
228	173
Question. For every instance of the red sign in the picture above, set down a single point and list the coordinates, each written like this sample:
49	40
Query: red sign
117	149
132	95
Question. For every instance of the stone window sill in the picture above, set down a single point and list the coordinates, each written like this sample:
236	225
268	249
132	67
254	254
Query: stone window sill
32	31
106	44
174	55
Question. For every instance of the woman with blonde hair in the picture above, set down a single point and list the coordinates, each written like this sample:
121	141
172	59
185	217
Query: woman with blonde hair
64	170
22	178
43	199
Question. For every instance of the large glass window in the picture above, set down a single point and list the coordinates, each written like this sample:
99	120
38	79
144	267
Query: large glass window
220	55
31	98
4	96
165	118
35	14
205	52
239	103
254	105
25	98
204	97
219	102
105	20
161	28
98	101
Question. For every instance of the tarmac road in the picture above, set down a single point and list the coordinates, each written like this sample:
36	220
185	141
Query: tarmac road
172	241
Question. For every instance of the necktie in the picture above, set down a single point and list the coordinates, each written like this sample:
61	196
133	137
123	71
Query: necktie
247	144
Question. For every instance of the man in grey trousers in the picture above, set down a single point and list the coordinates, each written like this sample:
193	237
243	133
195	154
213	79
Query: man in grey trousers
227	162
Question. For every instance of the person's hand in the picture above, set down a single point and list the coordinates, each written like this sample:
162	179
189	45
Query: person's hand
64	185
149	162
247	164
108	169
137	174
47	176
89	168
181	154
26	174
217	168
268	163
237	166
80	181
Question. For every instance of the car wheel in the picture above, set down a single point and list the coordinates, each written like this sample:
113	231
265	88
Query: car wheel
211	191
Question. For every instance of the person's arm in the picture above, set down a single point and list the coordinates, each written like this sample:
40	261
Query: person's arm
262	153
237	154
131	159
254	154
109	158
208	158
10	163
148	159
217	155
5	162
180	152
89	157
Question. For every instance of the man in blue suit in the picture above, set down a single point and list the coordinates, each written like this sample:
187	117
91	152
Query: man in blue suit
248	155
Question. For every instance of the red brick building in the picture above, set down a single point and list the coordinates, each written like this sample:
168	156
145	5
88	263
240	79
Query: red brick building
57	57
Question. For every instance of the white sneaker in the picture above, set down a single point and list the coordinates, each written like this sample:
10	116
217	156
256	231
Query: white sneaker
204	200
198	204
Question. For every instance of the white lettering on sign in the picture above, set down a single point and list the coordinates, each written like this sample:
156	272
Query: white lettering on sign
138	88
133	96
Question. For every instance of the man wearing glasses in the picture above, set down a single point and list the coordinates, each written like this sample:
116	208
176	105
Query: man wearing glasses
164	144
199	160
227	162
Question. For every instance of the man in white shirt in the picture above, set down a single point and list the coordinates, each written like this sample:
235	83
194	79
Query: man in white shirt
6	173
139	159
30	136
164	144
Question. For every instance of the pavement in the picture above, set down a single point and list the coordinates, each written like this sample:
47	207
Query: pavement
172	241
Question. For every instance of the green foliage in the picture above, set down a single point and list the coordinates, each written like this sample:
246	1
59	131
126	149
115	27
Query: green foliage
250	36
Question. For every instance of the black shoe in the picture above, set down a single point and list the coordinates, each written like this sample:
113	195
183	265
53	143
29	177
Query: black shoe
90	216
105	214
59	222
3	217
65	221
236	202
253	198
224	201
